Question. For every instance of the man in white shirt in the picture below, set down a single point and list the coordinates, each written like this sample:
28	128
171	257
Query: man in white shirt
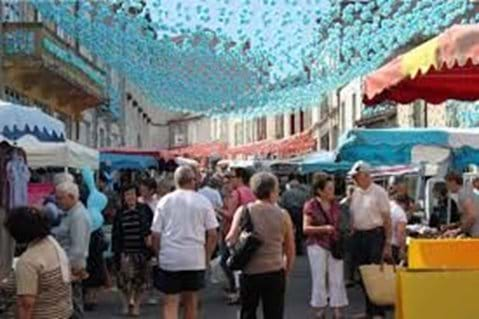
185	235
371	225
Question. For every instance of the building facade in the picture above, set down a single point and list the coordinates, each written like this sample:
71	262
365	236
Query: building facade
43	66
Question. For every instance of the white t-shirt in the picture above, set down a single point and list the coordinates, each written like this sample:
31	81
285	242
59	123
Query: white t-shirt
182	219
368	207
398	215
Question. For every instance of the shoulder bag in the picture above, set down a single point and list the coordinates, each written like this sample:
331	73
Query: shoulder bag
247	244
336	246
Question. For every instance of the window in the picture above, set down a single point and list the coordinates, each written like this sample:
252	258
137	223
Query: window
335	137
238	133
261	127
417	115
325	142
85	134
354	108
343	116
215	129
249	132
301	121
224	130
292	128
115	140
102	137
279	126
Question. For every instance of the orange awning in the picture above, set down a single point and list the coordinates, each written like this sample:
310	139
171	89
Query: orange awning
294	145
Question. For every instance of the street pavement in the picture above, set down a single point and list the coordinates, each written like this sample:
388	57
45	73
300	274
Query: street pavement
214	307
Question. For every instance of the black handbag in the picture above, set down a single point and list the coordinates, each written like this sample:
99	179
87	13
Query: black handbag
336	246
247	244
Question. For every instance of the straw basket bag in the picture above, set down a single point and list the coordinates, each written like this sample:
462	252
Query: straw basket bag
380	283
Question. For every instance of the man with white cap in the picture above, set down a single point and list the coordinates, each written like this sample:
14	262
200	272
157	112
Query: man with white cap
371	225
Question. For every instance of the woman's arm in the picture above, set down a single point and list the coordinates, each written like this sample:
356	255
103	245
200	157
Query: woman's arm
289	245
309	229
25	306
235	229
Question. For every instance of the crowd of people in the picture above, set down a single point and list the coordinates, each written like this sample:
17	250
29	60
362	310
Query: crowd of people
164	240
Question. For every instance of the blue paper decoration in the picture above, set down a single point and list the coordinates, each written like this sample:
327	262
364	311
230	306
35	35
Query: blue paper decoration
248	58
96	201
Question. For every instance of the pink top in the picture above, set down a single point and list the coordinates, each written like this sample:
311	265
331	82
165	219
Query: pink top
239	197
313	209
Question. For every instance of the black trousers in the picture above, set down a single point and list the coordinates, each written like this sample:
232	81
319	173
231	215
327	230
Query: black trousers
269	288
297	219
368	249
225	254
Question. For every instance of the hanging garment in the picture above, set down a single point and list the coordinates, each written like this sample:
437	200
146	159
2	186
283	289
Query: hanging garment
18	176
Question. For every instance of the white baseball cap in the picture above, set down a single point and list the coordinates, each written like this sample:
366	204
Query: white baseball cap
360	167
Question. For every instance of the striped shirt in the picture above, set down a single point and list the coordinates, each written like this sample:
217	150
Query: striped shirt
130	229
38	274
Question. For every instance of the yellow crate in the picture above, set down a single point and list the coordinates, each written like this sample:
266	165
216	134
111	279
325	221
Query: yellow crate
437	295
459	254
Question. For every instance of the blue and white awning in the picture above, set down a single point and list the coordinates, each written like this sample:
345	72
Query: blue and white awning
17	121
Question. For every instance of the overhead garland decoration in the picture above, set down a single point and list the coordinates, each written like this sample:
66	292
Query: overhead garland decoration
248	58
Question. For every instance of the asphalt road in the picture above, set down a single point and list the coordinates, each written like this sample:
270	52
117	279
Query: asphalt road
214	307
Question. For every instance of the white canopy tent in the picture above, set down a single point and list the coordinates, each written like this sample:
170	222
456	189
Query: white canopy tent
58	154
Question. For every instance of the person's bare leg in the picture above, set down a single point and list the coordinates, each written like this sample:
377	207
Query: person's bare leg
137	303
171	306
190	301
125	306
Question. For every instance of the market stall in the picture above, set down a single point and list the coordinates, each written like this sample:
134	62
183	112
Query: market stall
443	68
437	282
19	122
118	161
66	154
452	148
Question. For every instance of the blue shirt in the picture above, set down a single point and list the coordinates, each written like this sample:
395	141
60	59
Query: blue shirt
73	234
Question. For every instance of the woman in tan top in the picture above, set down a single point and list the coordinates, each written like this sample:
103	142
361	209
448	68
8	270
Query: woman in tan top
42	273
264	278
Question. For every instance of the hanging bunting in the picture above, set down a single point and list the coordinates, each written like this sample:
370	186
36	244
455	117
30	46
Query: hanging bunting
248	58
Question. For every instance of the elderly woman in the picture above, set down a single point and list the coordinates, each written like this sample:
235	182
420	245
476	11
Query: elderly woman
130	235
42	272
264	278
322	228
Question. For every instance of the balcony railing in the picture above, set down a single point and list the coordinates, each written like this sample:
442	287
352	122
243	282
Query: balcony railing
39	44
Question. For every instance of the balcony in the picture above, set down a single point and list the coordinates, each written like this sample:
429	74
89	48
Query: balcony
383	115
41	65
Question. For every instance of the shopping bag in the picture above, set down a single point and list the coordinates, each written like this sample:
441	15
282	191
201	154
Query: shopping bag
380	283
217	275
